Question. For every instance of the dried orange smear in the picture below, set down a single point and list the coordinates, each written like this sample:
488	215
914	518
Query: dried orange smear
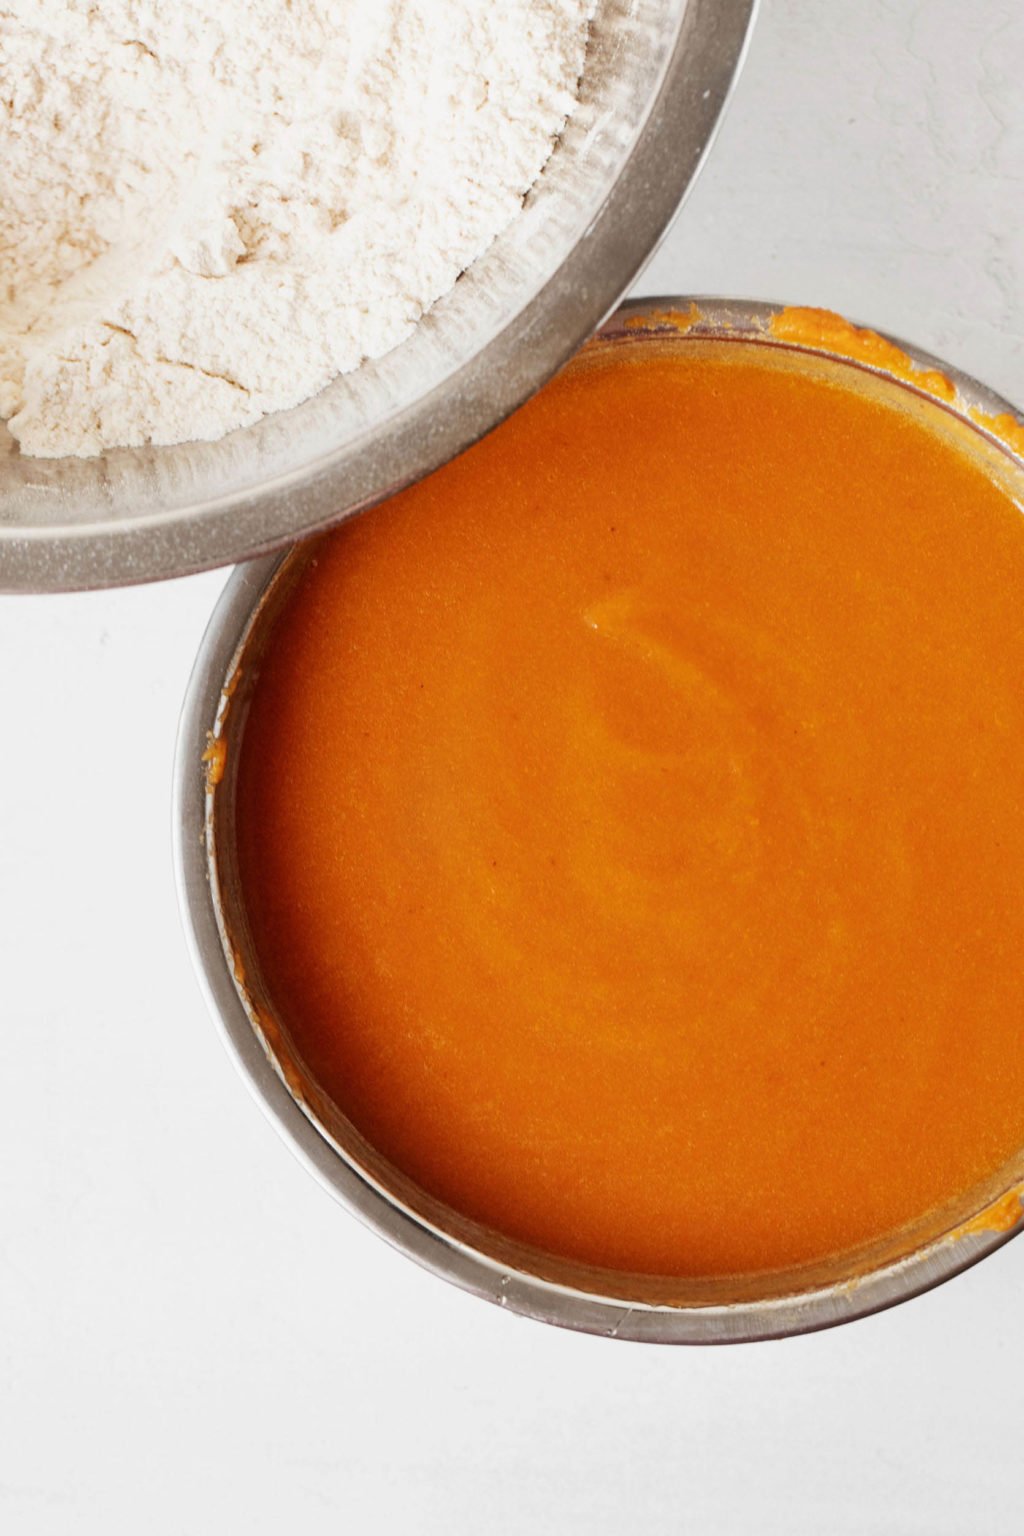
631	818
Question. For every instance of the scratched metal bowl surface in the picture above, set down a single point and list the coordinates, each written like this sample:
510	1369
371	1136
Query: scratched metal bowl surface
657	76
639	1307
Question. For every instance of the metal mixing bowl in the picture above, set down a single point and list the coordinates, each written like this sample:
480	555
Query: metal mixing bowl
657	76
625	1306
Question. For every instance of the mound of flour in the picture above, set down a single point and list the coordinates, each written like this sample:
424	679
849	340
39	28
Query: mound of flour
210	210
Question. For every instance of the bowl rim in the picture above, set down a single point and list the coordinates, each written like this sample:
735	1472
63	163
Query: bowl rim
638	209
205	709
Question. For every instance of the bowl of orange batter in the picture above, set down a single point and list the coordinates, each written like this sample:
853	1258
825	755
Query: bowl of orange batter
603	857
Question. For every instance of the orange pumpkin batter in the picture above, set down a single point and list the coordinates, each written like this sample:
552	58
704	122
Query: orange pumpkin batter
631	817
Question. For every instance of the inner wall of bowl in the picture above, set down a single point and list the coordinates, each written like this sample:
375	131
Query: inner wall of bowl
395	1188
631	44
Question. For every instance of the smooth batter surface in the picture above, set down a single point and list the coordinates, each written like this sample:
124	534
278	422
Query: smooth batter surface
631	819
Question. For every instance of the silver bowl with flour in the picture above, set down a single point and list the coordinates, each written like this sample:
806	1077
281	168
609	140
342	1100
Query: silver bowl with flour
657	76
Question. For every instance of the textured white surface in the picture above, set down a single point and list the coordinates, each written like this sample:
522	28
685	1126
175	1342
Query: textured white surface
193	1338
210	211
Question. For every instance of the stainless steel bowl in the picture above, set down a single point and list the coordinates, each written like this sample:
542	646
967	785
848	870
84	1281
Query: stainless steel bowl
657	77
525	1281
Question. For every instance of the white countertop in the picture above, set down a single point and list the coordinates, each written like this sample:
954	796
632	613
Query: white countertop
193	1338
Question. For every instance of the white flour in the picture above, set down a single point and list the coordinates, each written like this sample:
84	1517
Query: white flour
207	211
